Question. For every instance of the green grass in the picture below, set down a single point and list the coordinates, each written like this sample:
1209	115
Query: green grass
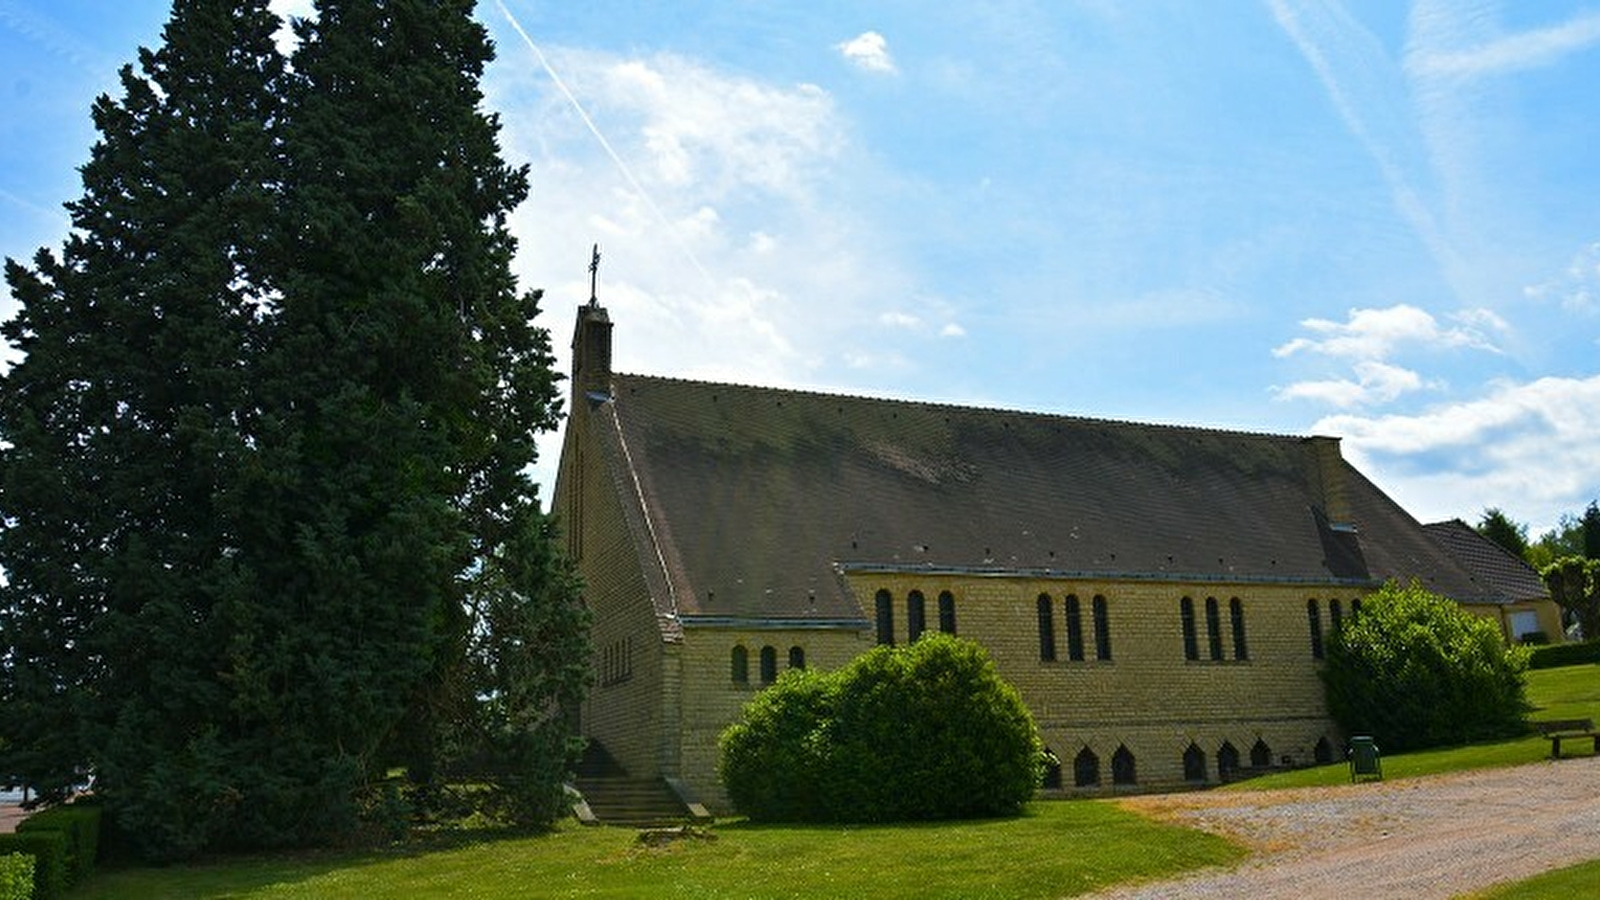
1055	849
1572	692
1582	880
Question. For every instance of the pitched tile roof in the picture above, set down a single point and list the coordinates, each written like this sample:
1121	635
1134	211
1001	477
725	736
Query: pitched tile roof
758	498
1501	576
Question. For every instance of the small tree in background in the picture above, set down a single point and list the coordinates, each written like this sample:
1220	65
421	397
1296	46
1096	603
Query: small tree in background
929	731
1498	527
1414	670
1574	584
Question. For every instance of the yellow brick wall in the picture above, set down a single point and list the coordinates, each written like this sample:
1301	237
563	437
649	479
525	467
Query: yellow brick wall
1549	616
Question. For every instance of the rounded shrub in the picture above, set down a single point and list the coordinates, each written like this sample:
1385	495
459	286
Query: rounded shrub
929	731
1414	670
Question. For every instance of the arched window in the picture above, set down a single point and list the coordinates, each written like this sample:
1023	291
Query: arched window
1236	619
1214	629
1074	629
1191	644
1323	752
741	665
797	657
1052	771
1260	755
1047	629
885	610
1335	615
1355	607
947	612
1314	620
1102	629
916	616
769	665
1194	764
1086	768
1123	769
1227	760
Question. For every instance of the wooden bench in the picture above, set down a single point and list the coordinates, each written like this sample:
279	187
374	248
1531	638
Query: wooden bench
1557	730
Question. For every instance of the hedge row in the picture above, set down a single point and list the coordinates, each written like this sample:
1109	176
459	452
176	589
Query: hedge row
1555	656
16	876
64	842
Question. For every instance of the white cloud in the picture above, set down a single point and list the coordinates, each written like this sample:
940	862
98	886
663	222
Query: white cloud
1375	334
1577	288
868	50
1514	52
1375	382
1528	448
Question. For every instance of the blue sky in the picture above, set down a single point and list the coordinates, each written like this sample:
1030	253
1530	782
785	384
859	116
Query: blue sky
1377	220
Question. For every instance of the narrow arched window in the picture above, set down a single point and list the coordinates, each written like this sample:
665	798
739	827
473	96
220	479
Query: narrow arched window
1047	629
885	615
1227	760
1260	755
947	612
1102	629
1213	629
1335	615
769	665
1355	607
797	657
1123	767
1191	644
916	616
1314	621
1322	753
1236	617
741	665
1074	629
1194	764
1052	771
1086	768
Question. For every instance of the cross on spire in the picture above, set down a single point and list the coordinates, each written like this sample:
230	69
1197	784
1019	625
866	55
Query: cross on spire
594	275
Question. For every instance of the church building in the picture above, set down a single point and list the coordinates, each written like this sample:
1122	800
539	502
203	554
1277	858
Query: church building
1162	597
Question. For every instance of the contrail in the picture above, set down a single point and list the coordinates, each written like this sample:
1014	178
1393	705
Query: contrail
604	144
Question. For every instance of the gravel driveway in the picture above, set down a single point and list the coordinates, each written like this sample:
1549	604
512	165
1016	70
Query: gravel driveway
1426	837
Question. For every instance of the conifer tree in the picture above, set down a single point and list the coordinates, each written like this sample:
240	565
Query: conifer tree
124	426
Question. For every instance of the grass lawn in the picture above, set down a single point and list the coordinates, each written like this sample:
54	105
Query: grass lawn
1582	880
1572	692
1055	849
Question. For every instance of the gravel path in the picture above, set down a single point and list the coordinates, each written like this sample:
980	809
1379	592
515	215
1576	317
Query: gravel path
1420	838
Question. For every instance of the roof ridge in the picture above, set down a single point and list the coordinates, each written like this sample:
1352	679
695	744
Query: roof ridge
969	408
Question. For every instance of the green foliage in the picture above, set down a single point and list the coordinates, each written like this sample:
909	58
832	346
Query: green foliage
52	866
16	876
80	822
1574	584
1498	527
1566	539
1555	656
1591	531
264	461
1414	670
929	731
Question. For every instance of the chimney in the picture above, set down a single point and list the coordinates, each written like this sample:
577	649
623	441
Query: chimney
591	354
1329	470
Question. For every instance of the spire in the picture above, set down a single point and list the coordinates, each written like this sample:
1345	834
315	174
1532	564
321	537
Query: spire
594	276
591	344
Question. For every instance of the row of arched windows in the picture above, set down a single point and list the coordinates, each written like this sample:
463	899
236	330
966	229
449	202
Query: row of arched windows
1073	613
1124	767
916	615
1214	634
1336	617
740	663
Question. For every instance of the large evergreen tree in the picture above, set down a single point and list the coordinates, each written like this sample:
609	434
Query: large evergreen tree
125	425
269	528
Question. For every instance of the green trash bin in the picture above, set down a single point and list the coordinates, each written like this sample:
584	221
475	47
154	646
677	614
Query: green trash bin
1365	761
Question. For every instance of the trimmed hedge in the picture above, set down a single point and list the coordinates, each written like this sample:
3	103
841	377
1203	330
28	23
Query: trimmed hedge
1557	655
51	867
16	876
80	822
929	731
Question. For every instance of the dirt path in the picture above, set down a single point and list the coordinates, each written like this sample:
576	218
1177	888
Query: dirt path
1429	837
